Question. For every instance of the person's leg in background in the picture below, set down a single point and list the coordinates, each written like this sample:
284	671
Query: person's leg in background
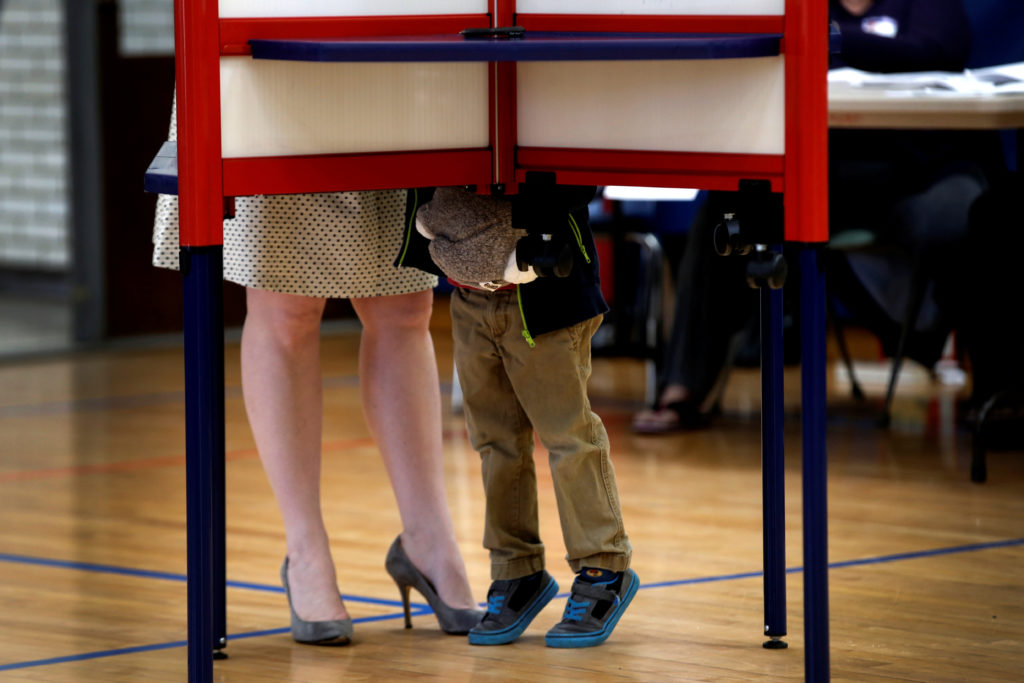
985	295
282	387
402	403
713	306
921	237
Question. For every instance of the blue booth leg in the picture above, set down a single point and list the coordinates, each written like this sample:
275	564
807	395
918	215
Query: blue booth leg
773	482
218	536
201	269
812	331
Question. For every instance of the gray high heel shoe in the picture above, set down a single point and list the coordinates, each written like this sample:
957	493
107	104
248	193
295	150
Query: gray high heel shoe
332	632
453	621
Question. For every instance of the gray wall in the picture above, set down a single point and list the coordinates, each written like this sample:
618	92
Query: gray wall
33	187
146	27
35	230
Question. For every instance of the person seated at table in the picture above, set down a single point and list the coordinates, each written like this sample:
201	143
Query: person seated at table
911	189
988	329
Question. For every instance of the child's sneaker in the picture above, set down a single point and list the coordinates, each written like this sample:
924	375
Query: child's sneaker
597	600
511	606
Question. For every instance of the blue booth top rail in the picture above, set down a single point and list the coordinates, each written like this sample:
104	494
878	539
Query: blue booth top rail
162	174
531	46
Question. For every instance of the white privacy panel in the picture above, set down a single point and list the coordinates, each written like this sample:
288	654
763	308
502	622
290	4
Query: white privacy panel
721	105
281	108
697	7
234	9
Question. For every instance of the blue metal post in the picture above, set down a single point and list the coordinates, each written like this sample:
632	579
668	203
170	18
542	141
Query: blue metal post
201	269
218	537
812	334
773	481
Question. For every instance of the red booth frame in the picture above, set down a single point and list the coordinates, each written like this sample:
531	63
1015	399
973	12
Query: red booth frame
207	182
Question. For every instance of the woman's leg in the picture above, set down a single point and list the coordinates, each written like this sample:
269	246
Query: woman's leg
402	403
281	384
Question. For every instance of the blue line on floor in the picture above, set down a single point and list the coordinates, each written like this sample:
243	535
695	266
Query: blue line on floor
850	563
928	553
177	643
168	576
420	609
90	567
92	655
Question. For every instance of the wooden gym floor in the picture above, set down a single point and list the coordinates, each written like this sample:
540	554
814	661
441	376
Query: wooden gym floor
927	578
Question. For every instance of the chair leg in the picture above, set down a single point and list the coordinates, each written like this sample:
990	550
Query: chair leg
844	351
998	426
649	307
915	297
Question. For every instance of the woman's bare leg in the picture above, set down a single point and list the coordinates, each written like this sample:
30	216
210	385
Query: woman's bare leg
281	384
402	402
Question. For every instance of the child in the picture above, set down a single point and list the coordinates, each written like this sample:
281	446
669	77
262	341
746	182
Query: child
522	353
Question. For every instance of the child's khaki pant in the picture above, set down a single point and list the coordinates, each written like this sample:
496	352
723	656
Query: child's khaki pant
510	390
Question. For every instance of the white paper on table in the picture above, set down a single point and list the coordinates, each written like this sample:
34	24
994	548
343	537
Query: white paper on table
993	80
1005	78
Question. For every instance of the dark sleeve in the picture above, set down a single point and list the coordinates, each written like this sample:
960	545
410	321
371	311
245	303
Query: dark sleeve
934	35
542	207
415	250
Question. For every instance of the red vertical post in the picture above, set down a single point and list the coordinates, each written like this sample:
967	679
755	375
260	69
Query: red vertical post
197	72
503	106
504	12
806	162
201	209
806	202
504	136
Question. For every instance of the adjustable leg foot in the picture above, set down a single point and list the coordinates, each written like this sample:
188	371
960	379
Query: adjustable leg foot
775	643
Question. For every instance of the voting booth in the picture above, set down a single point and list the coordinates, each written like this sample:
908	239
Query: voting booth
301	96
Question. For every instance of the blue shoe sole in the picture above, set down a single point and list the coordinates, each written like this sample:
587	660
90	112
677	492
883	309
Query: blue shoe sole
514	630
591	639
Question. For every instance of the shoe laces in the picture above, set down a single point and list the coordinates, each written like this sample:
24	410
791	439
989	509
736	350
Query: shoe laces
575	610
495	603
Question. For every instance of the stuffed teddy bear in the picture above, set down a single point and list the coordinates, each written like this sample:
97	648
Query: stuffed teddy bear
472	239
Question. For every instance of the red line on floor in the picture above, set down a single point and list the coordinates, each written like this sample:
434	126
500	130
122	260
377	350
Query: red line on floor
152	463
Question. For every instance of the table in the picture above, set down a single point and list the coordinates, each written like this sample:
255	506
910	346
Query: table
853	107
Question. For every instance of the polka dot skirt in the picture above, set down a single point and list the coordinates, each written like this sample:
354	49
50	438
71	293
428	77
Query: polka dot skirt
332	245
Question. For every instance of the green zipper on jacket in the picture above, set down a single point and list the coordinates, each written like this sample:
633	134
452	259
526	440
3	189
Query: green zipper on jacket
519	297
409	228
522	314
579	237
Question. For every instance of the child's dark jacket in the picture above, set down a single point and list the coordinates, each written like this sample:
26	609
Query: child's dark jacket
548	303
